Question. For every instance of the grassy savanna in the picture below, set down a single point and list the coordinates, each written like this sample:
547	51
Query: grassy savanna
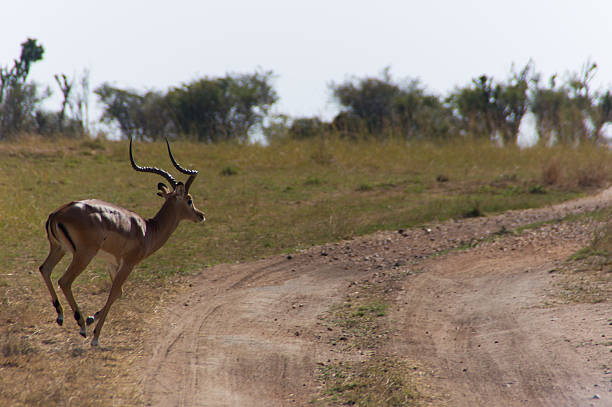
258	201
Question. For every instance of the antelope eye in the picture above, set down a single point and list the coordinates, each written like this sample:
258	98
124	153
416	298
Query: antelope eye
189	201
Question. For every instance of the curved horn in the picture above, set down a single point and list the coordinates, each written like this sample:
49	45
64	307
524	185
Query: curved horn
177	165
192	173
153	170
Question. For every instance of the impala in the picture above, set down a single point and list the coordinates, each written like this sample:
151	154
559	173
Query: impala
88	227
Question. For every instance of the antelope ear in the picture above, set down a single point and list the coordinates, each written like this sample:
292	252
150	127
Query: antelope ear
163	190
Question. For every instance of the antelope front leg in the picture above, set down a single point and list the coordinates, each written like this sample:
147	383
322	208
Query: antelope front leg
79	262
115	293
112	273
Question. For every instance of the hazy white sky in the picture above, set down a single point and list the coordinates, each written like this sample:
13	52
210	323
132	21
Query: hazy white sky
157	44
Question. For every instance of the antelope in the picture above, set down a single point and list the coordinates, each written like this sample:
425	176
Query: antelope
90	226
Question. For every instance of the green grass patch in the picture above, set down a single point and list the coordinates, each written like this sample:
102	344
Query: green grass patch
381	382
358	324
587	277
229	171
273	199
374	309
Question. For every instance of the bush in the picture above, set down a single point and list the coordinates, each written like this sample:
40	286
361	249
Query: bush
229	171
210	109
380	107
306	127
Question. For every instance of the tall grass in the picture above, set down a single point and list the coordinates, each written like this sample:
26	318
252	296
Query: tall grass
284	197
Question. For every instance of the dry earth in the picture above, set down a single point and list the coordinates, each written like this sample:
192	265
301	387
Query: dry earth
486	325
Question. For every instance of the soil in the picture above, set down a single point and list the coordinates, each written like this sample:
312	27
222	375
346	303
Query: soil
485	323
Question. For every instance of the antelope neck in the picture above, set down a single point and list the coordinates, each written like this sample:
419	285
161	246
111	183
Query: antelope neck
160	227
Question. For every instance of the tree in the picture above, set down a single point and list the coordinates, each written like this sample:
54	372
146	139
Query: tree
375	106
66	87
489	109
578	87
221	109
211	110
419	115
570	112
138	115
548	104
602	112
19	99
30	52
513	100
198	108
370	99
80	103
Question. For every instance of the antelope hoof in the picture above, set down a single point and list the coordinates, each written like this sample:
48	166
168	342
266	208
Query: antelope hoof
90	320
94	342
83	333
60	320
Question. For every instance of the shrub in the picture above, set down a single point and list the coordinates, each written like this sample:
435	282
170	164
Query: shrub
229	171
306	127
551	173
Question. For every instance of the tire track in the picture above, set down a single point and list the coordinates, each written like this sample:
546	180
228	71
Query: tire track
246	345
247	333
480	322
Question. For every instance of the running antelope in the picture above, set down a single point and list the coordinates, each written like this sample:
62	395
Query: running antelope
88	227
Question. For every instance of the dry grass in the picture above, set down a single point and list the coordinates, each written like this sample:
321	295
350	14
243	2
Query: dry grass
380	382
42	364
560	169
587	286
276	199
357	327
588	274
366	374
551	173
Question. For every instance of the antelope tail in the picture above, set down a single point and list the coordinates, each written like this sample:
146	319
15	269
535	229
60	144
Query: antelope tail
52	227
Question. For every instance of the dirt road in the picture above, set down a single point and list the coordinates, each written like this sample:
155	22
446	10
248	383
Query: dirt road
486	321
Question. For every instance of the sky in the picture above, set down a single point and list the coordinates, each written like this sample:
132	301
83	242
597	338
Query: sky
155	45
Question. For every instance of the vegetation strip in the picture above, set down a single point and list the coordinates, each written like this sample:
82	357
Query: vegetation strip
357	330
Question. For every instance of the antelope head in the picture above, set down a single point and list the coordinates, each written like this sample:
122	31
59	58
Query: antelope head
178	198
